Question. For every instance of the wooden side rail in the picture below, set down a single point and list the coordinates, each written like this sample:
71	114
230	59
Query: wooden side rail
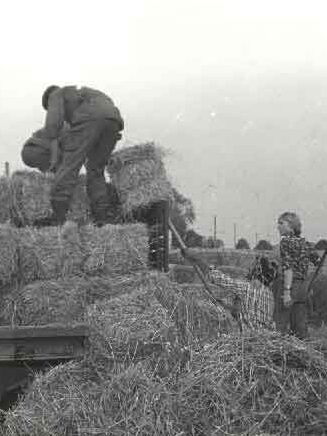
41	343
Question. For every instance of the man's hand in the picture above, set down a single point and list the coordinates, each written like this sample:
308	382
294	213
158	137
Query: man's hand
287	299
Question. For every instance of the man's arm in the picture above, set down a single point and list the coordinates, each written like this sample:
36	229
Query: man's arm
55	115
54	123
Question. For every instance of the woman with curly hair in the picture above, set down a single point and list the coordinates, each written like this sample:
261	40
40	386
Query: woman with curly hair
295	256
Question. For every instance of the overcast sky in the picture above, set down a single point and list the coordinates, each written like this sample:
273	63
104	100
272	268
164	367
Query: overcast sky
236	90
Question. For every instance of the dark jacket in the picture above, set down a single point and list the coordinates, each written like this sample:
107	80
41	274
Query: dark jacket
76	106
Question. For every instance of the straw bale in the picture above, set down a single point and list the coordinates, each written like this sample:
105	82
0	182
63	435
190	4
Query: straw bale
258	383
72	400
31	198
63	300
53	252
8	255
115	249
139	176
195	316
46	302
49	252
136	327
130	326
5	199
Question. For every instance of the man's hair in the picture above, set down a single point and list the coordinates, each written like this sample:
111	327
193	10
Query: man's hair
293	220
46	95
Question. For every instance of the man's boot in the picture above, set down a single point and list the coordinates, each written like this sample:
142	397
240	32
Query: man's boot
58	216
60	209
102	216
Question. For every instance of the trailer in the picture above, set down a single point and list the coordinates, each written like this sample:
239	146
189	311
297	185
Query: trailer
27	349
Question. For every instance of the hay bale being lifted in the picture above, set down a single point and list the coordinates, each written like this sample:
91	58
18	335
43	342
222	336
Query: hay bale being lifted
115	249
139	176
30	192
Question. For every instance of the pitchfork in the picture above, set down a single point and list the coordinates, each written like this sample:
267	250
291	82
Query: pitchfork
231	311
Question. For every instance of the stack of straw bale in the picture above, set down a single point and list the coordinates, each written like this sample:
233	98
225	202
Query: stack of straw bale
115	249
50	253
5	200
30	198
139	176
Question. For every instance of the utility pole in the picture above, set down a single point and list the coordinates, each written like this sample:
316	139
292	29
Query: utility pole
234	235
7	171
215	229
256	238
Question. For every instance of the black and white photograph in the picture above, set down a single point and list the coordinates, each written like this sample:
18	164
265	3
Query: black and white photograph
163	218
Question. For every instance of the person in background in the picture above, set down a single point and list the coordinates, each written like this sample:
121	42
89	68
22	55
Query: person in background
291	293
94	127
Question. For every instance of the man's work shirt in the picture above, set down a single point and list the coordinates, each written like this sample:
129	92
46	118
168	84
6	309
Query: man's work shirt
76	106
